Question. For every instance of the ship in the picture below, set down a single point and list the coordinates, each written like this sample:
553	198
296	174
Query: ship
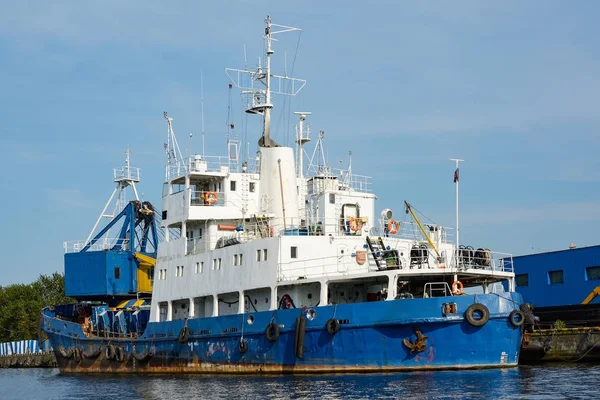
268	264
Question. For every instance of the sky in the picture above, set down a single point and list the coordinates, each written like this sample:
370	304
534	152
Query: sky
511	87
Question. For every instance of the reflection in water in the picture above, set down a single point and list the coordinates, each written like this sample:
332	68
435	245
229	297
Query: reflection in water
526	382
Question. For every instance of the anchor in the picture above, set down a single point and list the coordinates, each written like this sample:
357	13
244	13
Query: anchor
418	345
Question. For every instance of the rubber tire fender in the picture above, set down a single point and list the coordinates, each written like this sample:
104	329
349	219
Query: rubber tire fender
119	354
109	352
77	354
243	346
470	314
272	332
521	319
94	353
332	325
184	335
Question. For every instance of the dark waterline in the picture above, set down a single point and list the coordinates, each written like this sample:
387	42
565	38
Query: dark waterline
556	381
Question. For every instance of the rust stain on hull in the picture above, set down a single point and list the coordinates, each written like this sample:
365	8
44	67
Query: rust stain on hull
162	365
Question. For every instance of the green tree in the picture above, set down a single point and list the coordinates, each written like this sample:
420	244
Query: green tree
21	305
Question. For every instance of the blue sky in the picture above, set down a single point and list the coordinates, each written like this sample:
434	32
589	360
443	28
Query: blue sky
511	87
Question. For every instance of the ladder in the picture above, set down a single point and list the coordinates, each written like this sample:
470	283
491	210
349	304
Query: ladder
384	258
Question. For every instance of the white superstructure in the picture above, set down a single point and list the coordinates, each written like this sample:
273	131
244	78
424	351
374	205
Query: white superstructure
272	233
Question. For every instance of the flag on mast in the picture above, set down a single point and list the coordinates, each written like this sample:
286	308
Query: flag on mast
456	175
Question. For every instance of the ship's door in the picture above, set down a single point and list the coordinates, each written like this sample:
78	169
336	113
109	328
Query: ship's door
342	257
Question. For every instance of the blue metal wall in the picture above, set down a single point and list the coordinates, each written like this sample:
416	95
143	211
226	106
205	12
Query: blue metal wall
576	286
24	347
92	273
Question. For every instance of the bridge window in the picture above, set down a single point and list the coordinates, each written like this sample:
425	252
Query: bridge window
199	267
264	254
232	186
522	280
235	260
252	187
592	273
555	277
294	252
241	258
331	198
258	254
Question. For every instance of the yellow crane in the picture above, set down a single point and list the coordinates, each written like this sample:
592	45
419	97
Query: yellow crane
592	295
409	209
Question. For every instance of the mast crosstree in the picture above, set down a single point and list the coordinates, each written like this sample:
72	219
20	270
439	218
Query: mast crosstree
273	84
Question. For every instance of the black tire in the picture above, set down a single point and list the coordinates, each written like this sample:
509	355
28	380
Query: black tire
109	352
184	335
77	354
65	353
333	326
243	346
520	318
94	353
119	354
272	332
477	308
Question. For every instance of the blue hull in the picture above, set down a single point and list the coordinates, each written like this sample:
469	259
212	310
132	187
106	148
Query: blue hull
371	338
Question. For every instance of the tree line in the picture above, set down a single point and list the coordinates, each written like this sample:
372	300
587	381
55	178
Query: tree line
21	305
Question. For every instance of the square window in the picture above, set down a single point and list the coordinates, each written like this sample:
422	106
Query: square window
592	273
219	264
294	252
214	264
264	254
232	186
197	267
241	258
258	254
181	272
235	260
555	277
117	272
252	187
522	280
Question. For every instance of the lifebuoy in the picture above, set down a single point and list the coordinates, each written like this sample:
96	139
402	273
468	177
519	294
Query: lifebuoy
477	308
211	197
272	332
520	317
332	325
184	335
457	288
354	224
393	226
243	346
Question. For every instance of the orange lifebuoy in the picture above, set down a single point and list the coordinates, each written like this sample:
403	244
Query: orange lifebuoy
211	197
354	224
457	288
393	226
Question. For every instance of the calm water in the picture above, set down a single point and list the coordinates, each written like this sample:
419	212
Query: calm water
526	382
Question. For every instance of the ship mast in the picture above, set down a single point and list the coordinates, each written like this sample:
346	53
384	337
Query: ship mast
261	102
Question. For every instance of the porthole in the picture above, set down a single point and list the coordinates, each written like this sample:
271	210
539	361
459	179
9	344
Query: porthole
250	319
309	295
311	314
